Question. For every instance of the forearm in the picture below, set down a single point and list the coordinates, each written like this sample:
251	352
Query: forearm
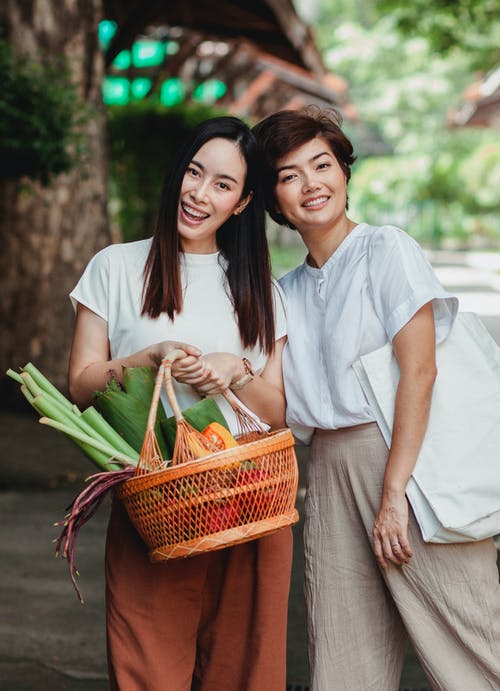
95	375
263	393
265	400
411	414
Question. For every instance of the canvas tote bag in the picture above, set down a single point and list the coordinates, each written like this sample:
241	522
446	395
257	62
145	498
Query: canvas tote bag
454	490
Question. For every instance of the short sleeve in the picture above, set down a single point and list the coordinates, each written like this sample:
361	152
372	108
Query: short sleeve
92	290
279	311
402	281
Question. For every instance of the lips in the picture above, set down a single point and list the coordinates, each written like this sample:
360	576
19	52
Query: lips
192	213
315	202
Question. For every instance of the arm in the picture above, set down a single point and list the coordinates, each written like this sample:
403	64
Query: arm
264	394
414	348
90	364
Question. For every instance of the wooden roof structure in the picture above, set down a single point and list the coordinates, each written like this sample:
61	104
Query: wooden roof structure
261	50
481	104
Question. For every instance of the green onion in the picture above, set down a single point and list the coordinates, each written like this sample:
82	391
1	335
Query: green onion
96	420
14	375
100	446
46	385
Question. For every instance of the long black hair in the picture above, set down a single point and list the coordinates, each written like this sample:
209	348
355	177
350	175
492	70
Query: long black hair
241	240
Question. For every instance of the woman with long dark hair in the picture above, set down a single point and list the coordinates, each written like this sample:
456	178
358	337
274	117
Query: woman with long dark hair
202	282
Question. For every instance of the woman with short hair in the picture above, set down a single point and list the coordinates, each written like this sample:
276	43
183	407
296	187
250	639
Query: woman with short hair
371	582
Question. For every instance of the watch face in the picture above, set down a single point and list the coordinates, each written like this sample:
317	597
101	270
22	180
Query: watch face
248	366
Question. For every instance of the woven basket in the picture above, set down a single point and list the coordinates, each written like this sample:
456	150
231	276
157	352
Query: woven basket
223	499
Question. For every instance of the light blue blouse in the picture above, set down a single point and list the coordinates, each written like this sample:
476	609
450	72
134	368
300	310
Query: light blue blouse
370	287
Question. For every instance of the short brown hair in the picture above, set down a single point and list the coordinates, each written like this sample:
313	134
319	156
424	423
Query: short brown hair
286	130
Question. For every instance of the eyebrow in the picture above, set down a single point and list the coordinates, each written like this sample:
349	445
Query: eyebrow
294	165
218	175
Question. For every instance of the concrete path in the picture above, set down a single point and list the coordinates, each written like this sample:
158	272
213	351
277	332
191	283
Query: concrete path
47	639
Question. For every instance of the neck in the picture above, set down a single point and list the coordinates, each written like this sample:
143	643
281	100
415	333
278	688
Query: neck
322	243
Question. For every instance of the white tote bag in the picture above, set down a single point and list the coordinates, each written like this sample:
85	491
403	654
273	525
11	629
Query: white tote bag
454	490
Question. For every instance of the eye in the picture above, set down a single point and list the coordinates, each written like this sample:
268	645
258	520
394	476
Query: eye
322	166
287	178
223	186
191	170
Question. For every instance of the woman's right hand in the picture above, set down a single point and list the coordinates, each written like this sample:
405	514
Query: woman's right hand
390	530
159	351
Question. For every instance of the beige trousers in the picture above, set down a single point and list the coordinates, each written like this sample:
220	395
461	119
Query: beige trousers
446	599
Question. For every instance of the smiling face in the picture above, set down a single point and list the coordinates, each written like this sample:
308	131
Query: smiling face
311	190
210	193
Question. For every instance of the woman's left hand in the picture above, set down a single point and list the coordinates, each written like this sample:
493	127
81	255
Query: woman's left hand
215	373
390	530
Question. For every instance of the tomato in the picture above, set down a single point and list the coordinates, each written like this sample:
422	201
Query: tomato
223	515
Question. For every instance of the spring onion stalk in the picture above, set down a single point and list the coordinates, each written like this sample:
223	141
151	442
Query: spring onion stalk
45	384
27	394
45	405
81	436
31	384
100	459
100	425
88	430
14	375
52	408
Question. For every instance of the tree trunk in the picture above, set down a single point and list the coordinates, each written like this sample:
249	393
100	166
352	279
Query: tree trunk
47	234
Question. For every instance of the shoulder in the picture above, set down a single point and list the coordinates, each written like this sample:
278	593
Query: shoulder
291	279
278	293
128	253
131	251
390	238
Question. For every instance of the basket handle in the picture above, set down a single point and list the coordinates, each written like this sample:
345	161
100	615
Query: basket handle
246	422
164	375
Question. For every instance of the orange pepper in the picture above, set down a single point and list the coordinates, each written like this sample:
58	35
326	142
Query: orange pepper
219	436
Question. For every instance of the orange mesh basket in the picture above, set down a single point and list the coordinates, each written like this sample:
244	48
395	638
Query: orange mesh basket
227	497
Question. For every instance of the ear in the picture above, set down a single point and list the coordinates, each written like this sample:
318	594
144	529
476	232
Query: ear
243	204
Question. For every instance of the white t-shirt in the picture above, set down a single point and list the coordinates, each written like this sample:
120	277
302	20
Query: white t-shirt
351	306
112	284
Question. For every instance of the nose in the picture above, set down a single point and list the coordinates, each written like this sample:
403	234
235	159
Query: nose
309	182
199	191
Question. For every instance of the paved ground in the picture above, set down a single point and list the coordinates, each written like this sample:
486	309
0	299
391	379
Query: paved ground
47	639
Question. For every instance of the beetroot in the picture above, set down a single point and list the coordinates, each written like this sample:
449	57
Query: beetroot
81	510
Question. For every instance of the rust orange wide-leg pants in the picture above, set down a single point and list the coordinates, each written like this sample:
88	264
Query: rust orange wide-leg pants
214	622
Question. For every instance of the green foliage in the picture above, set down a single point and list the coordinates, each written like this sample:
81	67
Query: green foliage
444	194
404	79
479	174
143	136
472	26
399	86
40	116
283	259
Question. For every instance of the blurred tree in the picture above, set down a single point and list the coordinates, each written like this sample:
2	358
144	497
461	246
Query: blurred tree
40	117
404	87
48	233
472	26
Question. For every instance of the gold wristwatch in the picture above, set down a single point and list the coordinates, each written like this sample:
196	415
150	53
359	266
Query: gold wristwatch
246	378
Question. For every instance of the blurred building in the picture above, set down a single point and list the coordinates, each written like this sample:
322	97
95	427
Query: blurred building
481	103
250	57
